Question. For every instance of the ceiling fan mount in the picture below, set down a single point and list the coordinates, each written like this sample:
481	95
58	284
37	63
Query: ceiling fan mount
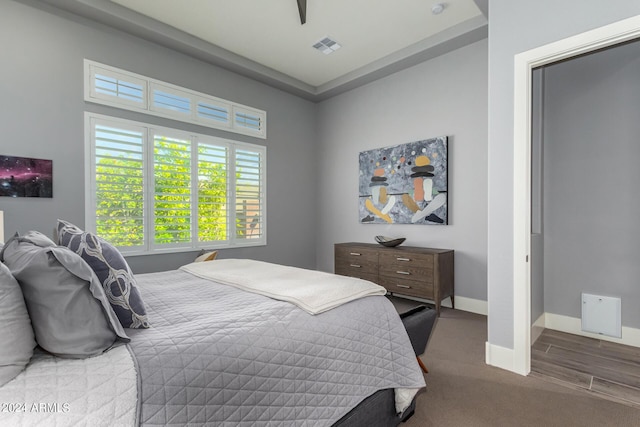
302	9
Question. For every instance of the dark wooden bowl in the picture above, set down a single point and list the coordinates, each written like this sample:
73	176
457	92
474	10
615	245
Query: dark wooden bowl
388	241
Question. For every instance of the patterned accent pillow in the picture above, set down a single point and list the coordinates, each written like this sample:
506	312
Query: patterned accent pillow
112	270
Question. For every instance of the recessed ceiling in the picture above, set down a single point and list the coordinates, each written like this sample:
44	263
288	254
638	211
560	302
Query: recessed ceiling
270	33
264	39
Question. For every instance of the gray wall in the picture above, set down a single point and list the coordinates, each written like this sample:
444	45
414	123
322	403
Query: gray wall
516	26
41	102
444	96
592	197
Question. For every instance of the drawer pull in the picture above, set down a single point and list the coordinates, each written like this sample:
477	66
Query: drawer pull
355	265
403	259
403	286
354	253
403	272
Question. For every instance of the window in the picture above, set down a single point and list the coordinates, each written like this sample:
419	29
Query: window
108	86
248	190
245	118
218	112
155	189
167	99
123	89
119	183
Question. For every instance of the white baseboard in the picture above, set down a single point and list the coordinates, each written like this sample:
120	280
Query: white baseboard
537	327
500	357
504	358
471	305
573	325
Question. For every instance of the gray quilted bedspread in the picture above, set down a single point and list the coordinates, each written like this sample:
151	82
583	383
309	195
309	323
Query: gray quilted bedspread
219	356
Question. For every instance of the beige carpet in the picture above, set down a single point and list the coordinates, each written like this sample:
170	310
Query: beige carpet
463	391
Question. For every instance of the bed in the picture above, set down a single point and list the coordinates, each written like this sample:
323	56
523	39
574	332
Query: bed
216	354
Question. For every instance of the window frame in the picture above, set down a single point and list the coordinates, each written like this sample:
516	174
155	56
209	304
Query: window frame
91	68
149	131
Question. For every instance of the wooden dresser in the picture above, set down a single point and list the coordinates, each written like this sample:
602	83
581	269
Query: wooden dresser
419	272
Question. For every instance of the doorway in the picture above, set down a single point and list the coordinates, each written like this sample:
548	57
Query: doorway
525	63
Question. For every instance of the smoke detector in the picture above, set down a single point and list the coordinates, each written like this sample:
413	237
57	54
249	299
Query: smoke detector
437	8
327	45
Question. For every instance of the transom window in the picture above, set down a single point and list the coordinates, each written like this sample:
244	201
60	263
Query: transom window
123	89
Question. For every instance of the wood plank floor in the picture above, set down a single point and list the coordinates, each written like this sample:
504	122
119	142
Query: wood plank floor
606	369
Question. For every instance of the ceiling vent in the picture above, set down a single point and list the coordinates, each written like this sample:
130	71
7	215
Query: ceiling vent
327	45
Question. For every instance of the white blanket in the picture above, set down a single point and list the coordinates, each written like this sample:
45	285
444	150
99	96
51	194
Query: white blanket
312	291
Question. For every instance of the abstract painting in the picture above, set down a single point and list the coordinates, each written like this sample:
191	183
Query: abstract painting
405	184
25	177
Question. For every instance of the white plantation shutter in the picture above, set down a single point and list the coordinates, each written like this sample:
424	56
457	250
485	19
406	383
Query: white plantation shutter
119	183
129	91
155	189
249	121
109	86
172	191
249	194
216	112
213	215
113	86
170	100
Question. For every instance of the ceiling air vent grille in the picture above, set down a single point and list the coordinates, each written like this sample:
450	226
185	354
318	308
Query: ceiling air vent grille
327	45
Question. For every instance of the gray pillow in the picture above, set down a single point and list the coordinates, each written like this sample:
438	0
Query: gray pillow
2	246
16	333
69	311
112	270
37	238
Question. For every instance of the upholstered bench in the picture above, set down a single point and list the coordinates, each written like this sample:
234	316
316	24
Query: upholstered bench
419	320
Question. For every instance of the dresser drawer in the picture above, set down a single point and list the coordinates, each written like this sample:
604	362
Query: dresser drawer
407	287
408	259
365	271
356	253
355	257
356	262
407	272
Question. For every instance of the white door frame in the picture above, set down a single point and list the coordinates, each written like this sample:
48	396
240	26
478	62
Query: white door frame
525	62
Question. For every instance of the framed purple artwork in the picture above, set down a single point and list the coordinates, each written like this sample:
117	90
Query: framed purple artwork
25	177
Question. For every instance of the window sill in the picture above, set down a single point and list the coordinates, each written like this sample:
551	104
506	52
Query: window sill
126	253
